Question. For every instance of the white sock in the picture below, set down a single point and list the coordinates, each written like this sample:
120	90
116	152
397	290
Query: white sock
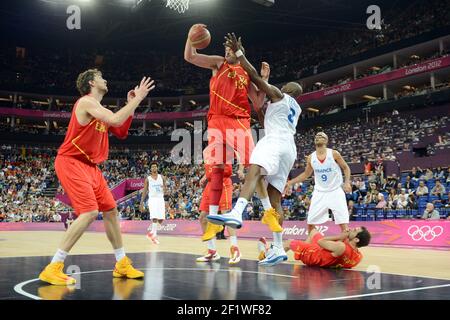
212	244
278	239
240	205
119	253
59	256
233	240
266	203
213	210
154	228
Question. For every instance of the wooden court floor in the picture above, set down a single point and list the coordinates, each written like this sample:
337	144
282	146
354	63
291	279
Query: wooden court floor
403	261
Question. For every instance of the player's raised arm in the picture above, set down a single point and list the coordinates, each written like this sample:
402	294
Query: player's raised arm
201	60
271	91
93	108
347	172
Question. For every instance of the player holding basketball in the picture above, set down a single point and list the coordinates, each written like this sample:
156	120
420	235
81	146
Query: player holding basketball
328	188
154	187
85	146
339	251
273	157
228	116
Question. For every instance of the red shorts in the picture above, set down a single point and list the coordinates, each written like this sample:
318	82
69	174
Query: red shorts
308	253
84	184
227	135
225	199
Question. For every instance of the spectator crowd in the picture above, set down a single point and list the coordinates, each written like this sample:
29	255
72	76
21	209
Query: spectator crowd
52	71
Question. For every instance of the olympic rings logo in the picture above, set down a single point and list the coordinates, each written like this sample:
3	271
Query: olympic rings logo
425	232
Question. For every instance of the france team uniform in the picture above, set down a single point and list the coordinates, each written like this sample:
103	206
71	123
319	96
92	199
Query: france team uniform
156	203
276	151
328	192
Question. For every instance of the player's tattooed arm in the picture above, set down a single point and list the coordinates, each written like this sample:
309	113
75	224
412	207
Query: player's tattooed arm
271	91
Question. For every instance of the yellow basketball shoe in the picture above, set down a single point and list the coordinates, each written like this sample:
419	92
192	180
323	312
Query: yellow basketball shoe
124	269
271	218
53	274
211	231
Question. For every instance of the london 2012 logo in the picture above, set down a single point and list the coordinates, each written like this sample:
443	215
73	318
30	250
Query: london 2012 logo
426	233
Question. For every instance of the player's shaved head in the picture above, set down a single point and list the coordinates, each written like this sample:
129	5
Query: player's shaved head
293	89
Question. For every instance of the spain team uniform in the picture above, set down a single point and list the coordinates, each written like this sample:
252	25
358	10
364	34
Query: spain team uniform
85	147
276	151
156	204
311	254
227	193
229	115
328	192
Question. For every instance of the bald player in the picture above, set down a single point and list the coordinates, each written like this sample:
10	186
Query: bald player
327	165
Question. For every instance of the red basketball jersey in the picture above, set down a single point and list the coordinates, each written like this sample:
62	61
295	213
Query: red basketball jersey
350	258
229	92
90	143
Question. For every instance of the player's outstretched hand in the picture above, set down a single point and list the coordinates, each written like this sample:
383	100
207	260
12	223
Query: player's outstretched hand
232	42
141	208
146	85
265	71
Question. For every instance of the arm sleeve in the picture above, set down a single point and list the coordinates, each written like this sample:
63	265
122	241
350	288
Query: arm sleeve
122	131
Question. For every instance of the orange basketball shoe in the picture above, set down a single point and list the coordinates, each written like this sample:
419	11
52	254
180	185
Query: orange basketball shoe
124	268
53	274
271	218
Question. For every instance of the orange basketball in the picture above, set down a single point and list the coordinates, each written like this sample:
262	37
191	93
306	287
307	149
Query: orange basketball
199	36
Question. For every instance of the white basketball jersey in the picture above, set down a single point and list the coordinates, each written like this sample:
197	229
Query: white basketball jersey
155	187
327	174
282	116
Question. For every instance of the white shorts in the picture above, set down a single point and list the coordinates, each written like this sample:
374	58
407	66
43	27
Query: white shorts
157	208
322	201
277	156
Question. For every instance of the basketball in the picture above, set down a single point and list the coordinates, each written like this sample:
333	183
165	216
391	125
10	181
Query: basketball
199	36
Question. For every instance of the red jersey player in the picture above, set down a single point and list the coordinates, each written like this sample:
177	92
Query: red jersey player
85	146
229	115
339	251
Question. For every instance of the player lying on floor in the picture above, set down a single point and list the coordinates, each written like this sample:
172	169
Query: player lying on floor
340	251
